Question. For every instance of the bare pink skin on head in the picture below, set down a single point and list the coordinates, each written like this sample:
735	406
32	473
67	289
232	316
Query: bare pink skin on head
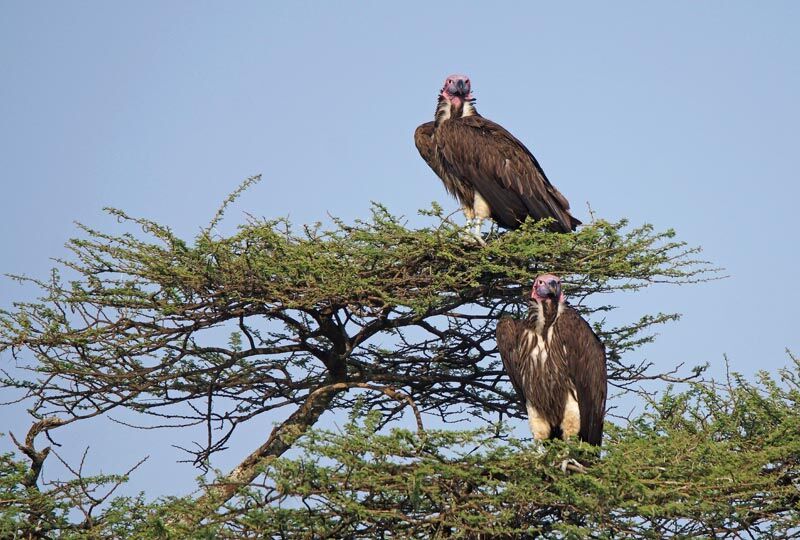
547	286
456	89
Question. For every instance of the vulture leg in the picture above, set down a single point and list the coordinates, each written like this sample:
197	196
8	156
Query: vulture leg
479	211
477	230
474	226
476	234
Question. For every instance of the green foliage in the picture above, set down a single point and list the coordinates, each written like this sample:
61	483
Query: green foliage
370	318
135	313
718	460
714	461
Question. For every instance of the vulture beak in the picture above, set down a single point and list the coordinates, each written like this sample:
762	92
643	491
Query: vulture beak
546	291
549	287
461	87
554	288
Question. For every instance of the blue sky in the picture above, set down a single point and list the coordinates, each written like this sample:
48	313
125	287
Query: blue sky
681	114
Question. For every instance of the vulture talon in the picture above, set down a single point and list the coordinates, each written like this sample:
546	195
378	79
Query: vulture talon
478	239
572	465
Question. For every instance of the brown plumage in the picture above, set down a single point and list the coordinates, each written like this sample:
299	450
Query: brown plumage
486	168
557	366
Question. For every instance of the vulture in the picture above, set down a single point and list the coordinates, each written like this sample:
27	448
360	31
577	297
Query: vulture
485	167
557	366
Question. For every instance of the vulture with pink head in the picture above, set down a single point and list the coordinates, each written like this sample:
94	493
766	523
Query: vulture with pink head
485	167
557	366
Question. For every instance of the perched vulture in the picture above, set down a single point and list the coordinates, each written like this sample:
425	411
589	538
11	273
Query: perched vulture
557	365
485	167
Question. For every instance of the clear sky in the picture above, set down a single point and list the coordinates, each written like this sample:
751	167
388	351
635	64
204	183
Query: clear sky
681	114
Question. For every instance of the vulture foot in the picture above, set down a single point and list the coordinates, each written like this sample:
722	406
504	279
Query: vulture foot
571	465
478	239
474	226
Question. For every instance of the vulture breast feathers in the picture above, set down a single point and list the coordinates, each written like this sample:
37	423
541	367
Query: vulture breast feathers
557	366
472	154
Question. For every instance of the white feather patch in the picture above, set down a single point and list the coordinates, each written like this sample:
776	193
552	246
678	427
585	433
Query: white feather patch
443	111
571	424
538	354
540	428
550	333
539	318
480	208
468	109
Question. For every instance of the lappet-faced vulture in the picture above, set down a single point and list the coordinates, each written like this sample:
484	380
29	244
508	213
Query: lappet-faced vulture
557	366
485	167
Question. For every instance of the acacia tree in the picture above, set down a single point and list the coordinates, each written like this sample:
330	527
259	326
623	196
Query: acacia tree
371	317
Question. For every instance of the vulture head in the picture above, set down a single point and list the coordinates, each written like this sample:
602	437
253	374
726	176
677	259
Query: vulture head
457	89
547	287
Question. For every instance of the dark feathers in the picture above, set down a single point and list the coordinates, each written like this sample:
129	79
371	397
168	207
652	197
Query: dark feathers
586	368
545	373
472	154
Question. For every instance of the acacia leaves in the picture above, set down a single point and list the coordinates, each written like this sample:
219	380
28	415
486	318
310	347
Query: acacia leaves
718	460
280	322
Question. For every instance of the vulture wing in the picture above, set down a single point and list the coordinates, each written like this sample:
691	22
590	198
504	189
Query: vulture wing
503	171
585	357
509	333
423	138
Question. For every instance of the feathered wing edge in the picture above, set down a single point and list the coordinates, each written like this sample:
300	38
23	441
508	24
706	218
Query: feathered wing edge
423	140
586	366
503	171
508	334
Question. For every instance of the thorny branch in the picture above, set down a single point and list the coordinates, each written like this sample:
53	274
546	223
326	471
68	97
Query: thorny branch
407	314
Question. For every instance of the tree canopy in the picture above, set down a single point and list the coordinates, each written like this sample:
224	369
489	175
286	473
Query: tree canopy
375	320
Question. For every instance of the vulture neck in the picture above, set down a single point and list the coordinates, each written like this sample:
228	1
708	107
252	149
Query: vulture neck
460	108
543	314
